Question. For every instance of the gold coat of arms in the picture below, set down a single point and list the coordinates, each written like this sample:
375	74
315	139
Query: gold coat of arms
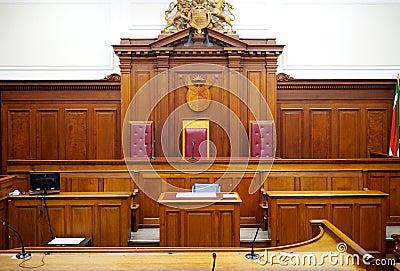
198	95
199	14
199	18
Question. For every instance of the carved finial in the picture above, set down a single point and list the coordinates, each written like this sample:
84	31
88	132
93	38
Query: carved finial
114	77
283	77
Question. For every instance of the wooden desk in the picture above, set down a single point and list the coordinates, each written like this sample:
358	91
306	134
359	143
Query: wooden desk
326	239
6	186
359	214
199	222
102	217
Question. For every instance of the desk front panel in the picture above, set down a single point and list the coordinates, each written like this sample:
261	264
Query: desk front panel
104	219
187	224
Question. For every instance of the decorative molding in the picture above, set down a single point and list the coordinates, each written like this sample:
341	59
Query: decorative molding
114	77
95	85
311	84
283	77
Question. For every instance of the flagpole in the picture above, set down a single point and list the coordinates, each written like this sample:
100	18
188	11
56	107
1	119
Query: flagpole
398	116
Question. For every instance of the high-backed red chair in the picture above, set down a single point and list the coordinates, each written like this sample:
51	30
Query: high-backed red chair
141	139
195	139
262	139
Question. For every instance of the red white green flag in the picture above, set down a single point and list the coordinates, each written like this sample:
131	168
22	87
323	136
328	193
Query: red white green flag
395	129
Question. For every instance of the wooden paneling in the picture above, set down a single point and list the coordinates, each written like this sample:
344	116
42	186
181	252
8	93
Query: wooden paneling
320	133
196	236
254	60
60	120
18	134
291	142
173	219
6	186
81	219
3	230
314	211
286	174
103	217
289	214
315	118
318	254
106	140
372	214
377	129
349	131
48	133
388	182
342	216
333	118
306	180
76	129
394	190
175	181
198	222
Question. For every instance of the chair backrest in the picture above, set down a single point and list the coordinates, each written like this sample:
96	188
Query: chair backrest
262	139
206	187
141	139
195	138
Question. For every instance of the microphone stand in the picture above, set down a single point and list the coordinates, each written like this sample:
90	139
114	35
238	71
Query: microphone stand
192	158
214	255
151	152
252	255
23	254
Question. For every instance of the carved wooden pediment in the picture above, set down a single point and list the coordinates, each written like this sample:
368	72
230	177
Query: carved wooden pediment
175	44
178	40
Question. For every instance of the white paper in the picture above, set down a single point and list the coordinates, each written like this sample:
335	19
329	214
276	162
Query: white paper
196	195
66	241
229	196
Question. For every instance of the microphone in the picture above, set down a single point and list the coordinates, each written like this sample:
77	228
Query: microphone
192	150
214	255
23	254
252	255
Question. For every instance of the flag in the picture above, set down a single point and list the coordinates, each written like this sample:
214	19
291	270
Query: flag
394	130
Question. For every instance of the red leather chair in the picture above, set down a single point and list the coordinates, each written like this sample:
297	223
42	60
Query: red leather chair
262	139
195	138
141	140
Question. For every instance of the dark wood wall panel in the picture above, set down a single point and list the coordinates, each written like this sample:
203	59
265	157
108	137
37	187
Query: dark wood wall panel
106	140
315	118
378	129
340	119
48	133
288	215
342	217
18	134
102	217
81	218
76	133
320	133
291	140
71	120
285	175
349	132
394	202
